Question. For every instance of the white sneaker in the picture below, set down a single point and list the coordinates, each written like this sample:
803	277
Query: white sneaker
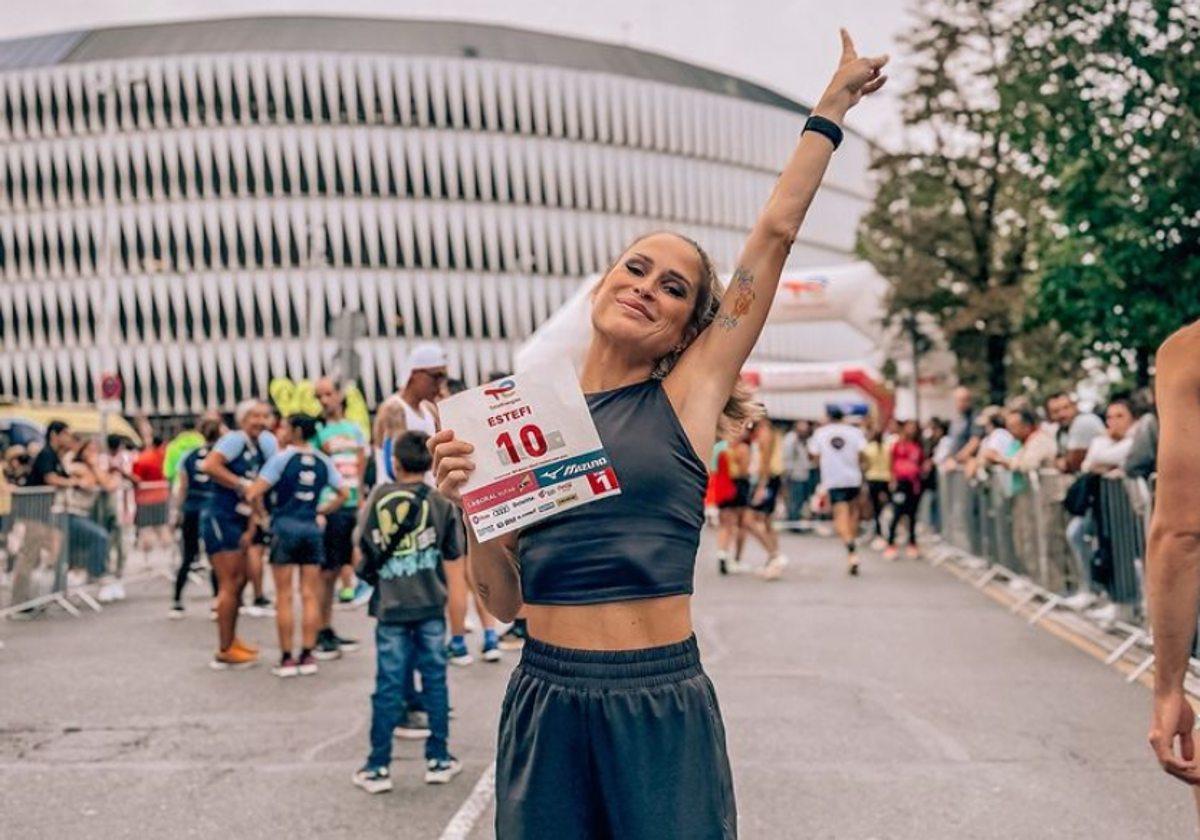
1105	616
1080	601
118	590
106	594
878	544
737	567
441	771
469	624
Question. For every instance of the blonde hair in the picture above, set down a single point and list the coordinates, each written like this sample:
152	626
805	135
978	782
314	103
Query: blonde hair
740	408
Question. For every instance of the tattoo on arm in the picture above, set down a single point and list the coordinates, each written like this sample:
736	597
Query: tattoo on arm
743	291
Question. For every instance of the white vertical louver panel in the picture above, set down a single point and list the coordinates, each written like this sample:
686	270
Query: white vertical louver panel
369	220
278	354
260	359
368	289
405	233
11	335
380	162
575	101
406	296
330	89
351	88
472	285
280	289
424	300
536	79
20	376
245	282
385	372
472	100
201	296
144	309
82	374
436	78
491	302
457	236
388	306
34	293
325	302
260	73
530	306
433	163
350	211
332	213
448	152
228	303
491	239
504	78
419	81
522	88
160	392
178	397
472	219
223	76
556	121
211	290
37	379
455	96
242	351
296	366
226	374
176	289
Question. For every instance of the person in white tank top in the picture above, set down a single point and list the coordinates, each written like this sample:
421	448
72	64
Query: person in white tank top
410	408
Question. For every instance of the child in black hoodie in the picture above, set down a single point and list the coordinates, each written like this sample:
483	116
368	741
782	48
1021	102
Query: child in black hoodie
406	532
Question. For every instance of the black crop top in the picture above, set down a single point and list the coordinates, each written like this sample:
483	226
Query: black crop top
640	544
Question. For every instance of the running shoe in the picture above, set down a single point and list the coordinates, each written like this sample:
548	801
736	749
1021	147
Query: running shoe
414	726
458	654
878	544
362	594
491	651
853	565
346	645
514	637
308	665
913	552
233	659
287	667
176	612
773	570
327	646
439	771
722	566
345	595
373	779
891	553
244	646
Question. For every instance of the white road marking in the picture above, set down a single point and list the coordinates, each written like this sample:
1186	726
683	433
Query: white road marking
463	821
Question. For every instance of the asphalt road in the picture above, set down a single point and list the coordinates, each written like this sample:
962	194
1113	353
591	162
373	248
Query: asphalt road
901	704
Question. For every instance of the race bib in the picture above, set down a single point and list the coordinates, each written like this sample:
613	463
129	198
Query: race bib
537	451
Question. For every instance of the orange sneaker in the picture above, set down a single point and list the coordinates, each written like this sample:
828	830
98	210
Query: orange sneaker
243	646
233	657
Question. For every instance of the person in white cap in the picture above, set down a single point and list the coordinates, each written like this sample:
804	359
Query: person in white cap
411	407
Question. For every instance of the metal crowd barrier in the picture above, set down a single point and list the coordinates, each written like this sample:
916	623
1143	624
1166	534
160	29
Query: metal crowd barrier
56	550
1017	523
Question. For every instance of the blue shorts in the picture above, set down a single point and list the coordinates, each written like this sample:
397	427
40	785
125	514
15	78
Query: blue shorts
297	549
223	533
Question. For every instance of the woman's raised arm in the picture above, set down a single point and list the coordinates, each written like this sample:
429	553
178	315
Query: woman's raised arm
705	376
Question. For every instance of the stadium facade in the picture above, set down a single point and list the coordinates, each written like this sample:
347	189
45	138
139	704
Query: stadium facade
195	204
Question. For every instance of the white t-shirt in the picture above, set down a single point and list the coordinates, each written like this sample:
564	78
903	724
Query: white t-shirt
1106	452
838	446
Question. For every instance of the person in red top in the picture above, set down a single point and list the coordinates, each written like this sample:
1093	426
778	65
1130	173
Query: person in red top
152	494
908	456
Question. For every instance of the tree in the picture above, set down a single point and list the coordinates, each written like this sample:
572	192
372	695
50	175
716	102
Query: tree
955	218
1104	96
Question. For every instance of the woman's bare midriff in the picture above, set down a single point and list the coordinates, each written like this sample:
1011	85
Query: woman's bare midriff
624	625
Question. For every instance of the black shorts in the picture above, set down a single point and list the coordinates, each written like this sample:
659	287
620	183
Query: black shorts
844	495
767	505
297	549
222	534
629	744
339	539
741	495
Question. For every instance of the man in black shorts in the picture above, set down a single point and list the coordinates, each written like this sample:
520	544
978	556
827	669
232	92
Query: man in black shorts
838	448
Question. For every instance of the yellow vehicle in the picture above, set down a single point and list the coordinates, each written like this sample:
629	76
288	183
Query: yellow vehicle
24	423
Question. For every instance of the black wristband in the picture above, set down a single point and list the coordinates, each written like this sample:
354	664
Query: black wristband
826	128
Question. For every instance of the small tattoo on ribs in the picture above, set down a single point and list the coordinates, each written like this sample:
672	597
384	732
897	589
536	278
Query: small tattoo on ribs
743	282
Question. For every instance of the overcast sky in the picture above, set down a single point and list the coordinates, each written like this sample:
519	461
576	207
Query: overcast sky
788	45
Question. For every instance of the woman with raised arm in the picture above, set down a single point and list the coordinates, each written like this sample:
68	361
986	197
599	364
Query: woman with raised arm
610	728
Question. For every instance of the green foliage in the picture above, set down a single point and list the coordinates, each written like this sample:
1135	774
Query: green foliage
955	217
1105	111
